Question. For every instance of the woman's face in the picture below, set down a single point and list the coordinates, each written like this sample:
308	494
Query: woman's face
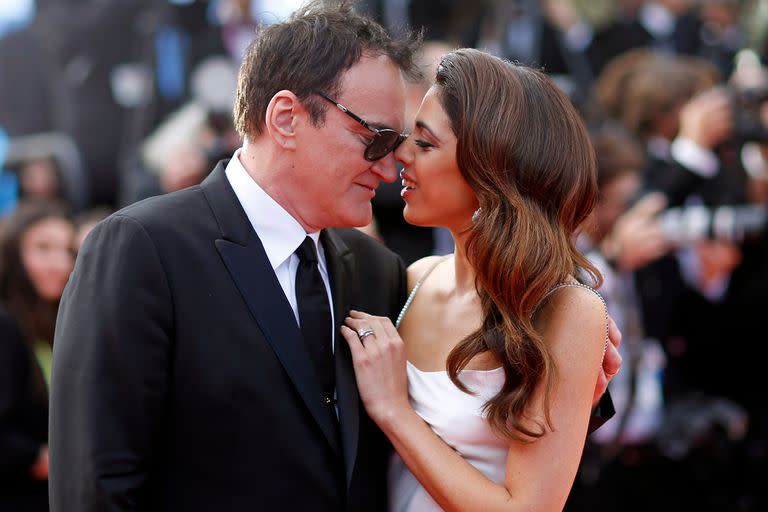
47	256
434	191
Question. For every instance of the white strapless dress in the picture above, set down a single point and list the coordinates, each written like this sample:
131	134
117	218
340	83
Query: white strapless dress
458	418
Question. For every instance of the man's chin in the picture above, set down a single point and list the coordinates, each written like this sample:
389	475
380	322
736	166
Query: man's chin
353	222
358	217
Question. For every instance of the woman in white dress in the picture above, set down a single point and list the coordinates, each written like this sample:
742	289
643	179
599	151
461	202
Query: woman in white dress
486	386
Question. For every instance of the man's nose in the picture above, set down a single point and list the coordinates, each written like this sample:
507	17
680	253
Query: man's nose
386	168
404	153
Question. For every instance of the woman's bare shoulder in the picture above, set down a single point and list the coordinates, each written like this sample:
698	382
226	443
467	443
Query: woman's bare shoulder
576	316
418	269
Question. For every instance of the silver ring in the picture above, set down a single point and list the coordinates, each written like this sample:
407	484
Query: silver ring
365	331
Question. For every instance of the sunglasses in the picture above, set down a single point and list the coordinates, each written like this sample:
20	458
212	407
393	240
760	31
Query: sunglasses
384	141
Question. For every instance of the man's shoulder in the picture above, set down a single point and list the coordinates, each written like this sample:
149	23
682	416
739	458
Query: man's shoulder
162	218
164	207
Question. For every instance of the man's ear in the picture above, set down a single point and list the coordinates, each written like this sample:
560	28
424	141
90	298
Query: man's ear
281	118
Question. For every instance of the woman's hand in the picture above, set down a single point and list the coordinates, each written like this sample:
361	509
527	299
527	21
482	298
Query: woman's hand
379	359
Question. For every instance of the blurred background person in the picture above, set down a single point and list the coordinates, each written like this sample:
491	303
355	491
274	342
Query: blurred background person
694	127
36	258
181	151
621	468
84	222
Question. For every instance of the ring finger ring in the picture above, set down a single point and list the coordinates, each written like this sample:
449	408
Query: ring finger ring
365	331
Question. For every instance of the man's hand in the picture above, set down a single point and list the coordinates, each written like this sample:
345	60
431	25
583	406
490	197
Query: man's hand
637	237
707	118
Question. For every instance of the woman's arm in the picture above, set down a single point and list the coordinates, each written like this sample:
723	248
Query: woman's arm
539	474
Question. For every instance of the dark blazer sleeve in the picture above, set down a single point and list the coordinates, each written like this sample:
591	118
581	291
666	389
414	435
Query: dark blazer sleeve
19	445
110	372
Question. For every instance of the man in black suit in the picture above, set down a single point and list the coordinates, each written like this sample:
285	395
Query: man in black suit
184	375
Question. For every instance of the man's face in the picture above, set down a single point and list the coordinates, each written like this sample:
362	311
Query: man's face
333	180
615	198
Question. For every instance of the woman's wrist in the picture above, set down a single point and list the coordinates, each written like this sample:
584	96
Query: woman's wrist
390	418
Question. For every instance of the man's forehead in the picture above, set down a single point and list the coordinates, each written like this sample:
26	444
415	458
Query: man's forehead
374	89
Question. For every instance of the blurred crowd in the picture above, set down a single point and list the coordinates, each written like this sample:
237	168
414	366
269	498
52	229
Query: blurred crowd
106	102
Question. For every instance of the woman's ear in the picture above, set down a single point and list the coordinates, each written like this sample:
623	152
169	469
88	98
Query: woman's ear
280	120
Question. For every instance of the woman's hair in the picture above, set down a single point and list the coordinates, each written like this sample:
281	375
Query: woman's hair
524	150
36	316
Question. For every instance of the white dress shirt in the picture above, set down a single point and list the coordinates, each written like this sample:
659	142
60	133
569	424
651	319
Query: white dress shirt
279	232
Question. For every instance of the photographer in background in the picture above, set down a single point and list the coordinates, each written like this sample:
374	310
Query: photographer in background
182	150
623	452
701	300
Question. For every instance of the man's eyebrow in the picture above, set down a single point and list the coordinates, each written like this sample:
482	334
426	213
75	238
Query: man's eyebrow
425	127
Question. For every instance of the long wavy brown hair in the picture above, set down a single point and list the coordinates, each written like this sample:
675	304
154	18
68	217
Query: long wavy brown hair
524	150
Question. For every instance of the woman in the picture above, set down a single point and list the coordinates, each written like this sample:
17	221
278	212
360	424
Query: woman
503	346
35	261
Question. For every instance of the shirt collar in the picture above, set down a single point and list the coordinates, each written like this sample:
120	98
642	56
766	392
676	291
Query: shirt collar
279	232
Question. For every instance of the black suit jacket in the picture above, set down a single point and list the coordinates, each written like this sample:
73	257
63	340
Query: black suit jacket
180	379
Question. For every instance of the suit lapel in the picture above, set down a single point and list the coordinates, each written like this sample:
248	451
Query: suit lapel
243	254
341	262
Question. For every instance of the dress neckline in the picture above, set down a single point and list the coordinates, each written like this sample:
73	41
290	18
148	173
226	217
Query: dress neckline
445	372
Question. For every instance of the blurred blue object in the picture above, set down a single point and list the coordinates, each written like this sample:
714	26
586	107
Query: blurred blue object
9	184
170	47
15	14
9	192
4	143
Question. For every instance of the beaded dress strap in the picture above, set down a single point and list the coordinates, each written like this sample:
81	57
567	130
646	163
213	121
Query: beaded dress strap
586	287
415	289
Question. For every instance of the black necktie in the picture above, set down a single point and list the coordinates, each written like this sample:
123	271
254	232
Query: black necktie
315	317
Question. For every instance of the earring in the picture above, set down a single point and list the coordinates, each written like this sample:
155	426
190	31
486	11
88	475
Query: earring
476	215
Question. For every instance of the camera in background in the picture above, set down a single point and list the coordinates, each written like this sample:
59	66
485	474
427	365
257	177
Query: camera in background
737	224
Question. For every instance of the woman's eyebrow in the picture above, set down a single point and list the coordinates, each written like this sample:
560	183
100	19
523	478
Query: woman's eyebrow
426	128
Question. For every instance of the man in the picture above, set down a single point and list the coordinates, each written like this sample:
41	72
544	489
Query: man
186	376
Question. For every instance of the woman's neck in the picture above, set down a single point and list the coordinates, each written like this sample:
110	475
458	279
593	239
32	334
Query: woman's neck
465	274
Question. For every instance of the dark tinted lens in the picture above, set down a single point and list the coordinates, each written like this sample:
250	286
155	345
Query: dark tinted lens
383	142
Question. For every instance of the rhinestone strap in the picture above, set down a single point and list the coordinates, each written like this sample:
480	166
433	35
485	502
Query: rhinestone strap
586	287
415	289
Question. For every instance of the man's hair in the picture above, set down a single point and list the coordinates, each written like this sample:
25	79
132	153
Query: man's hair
639	85
618	153
307	54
